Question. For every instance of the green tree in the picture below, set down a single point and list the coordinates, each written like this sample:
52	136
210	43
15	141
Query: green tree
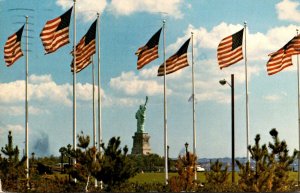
217	176
62	152
83	141
271	168
149	162
10	151
10	166
114	167
282	162
185	179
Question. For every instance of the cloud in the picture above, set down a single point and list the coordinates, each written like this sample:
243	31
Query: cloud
288	10
205	39
207	72
42	88
171	7
20	110
10	127
40	79
86	9
274	97
123	101
146	82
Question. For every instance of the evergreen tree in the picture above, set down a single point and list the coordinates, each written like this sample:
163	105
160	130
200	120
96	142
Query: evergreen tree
282	162
185	179
10	166
114	166
217	176
9	150
271	168
84	141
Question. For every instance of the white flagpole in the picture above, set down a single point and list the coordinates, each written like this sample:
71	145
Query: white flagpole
99	93
94	119
247	102
165	109
74	79
99	89
298	112
94	113
194	117
26	106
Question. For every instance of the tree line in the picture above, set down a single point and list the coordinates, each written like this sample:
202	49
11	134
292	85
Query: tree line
112	167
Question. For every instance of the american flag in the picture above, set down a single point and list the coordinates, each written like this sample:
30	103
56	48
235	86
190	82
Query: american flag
12	48
85	49
177	61
230	49
55	33
283	57
148	52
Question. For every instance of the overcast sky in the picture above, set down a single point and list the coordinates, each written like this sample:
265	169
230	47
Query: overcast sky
126	26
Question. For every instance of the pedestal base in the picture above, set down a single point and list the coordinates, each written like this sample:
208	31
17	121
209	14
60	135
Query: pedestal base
141	144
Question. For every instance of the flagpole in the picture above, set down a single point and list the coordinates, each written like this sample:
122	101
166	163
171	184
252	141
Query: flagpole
99	92
298	112
94	119
94	113
165	108
194	121
99	89
26	106
74	82
247	102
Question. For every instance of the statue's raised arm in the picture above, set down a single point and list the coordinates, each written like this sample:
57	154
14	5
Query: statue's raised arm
146	101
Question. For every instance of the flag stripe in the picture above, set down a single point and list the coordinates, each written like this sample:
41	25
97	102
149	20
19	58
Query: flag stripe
230	49
282	58
147	57
230	58
12	47
148	52
176	61
55	33
85	49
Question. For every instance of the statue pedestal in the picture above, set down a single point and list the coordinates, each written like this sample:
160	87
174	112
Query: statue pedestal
141	144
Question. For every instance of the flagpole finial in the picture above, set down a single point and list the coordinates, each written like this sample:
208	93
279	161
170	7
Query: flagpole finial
164	21
98	14
192	33
245	23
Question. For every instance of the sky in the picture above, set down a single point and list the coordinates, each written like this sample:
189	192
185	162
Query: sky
126	26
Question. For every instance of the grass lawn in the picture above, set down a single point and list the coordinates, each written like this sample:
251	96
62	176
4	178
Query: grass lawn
152	177
158	177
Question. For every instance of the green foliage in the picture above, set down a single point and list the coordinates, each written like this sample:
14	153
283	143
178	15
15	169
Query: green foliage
147	163
217	176
271	168
43	169
185	179
11	152
115	166
84	141
282	162
141	187
10	166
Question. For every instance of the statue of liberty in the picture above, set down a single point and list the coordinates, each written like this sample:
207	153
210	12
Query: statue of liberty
140	116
